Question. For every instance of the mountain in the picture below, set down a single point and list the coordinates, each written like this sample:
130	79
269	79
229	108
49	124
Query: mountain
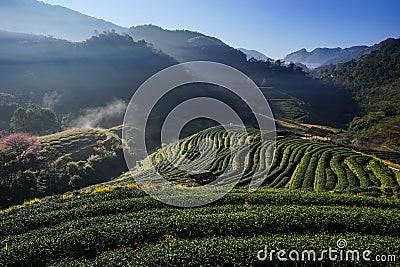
254	54
184	45
31	16
76	78
109	67
105	71
293	95
327	56
374	81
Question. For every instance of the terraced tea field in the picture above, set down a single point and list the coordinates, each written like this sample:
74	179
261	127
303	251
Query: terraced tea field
78	144
290	163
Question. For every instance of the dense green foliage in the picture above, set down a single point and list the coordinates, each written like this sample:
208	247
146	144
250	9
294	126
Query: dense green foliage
123	226
391	156
118	224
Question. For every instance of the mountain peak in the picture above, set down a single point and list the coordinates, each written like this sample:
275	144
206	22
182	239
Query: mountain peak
325	56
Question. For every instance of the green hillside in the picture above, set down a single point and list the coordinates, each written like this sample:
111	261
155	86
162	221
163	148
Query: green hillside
374	81
65	161
184	45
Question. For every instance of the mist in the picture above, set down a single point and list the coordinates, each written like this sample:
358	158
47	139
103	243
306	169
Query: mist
101	117
51	99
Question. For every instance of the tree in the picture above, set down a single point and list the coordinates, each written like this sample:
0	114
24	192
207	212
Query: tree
34	119
19	120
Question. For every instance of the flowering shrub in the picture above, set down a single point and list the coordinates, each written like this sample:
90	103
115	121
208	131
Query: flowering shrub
19	145
32	201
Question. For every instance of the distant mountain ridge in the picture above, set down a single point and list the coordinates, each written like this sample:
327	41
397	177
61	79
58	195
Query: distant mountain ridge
254	54
34	17
328	56
184	45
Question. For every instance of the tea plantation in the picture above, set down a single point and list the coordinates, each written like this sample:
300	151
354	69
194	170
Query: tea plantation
314	195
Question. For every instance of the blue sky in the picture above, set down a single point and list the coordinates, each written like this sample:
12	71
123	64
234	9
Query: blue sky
275	28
